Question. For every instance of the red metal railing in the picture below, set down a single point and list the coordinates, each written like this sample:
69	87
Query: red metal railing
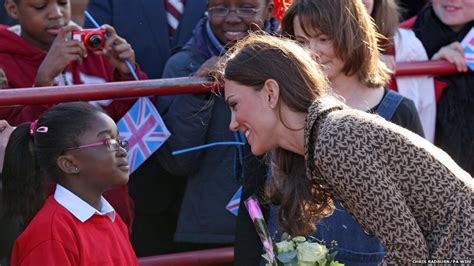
434	68
217	256
102	91
56	94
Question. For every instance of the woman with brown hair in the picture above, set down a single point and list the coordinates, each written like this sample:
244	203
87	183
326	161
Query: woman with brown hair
398	186
344	40
356	73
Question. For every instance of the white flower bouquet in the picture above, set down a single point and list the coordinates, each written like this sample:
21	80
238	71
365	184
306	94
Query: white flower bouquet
297	251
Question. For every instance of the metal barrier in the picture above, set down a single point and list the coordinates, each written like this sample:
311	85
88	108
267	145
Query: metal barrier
102	91
111	90
217	256
433	68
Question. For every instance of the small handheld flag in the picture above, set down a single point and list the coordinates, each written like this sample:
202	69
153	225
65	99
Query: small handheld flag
468	45
234	203
145	131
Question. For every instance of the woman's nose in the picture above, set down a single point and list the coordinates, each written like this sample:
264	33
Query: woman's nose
234	125
315	56
315	49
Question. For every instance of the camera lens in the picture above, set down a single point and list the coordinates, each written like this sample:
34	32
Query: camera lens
95	41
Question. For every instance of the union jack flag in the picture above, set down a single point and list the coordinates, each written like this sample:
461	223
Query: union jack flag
145	131
468	44
234	203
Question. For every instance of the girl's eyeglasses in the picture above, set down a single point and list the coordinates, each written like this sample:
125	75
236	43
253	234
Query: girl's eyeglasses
111	144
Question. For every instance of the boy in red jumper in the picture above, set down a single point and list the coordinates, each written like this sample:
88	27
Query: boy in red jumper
78	146
39	52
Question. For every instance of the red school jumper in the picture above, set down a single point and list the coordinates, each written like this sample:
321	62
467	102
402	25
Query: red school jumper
56	237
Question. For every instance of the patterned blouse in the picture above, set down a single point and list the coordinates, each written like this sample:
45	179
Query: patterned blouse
399	187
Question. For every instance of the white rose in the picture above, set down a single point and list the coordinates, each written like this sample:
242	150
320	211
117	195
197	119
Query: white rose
311	252
285	246
299	239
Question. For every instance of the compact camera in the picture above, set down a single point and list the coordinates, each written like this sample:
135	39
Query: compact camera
93	39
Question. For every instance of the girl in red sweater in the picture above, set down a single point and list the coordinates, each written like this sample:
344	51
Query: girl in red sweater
39	52
77	146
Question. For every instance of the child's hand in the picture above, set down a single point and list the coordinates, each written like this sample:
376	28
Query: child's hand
207	67
118	50
453	53
62	52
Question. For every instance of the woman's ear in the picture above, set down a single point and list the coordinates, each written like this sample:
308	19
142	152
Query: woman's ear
272	92
12	8
68	164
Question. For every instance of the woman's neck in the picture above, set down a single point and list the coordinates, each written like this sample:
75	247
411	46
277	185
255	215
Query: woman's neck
356	94
291	136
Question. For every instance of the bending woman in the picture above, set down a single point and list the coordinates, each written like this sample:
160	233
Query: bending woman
408	193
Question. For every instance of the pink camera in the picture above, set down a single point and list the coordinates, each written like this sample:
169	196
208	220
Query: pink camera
93	39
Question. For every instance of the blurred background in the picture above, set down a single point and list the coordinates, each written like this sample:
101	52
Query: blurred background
78	7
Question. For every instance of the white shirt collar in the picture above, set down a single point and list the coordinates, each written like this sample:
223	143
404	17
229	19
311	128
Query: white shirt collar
79	208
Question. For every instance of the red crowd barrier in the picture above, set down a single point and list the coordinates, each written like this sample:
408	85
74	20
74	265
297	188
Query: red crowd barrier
111	90
102	91
435	68
218	256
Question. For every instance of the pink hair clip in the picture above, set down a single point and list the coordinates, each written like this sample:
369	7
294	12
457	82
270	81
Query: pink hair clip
33	128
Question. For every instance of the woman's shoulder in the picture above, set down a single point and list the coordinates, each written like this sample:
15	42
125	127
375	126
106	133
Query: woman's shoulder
407	107
407	117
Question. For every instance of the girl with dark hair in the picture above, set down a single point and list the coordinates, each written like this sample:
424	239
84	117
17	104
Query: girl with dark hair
411	195
77	146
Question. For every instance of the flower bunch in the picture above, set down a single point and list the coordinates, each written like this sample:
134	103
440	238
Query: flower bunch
297	251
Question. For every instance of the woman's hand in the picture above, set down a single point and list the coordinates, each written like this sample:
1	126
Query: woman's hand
117	50
453	53
62	52
207	67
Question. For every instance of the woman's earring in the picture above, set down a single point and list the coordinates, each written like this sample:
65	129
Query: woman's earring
76	170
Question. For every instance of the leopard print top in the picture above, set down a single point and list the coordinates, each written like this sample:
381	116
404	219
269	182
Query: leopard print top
399	187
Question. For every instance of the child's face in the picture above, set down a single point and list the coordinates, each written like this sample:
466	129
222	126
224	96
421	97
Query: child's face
101	167
233	27
40	20
454	13
322	47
